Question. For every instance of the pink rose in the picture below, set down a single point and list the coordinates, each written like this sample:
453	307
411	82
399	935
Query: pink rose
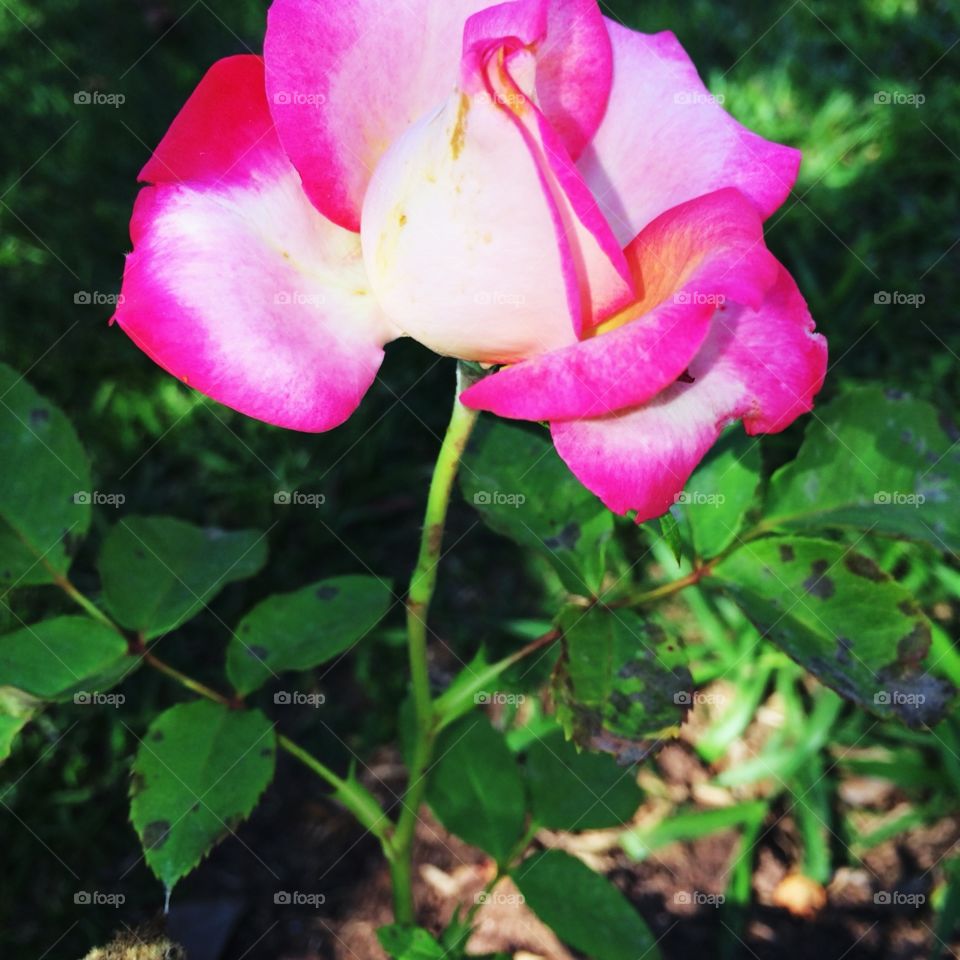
527	185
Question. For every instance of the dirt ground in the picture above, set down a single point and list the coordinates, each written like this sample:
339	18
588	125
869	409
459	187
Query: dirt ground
306	846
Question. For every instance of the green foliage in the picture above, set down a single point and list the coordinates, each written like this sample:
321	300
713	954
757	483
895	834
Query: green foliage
295	631
475	788
877	462
525	491
58	658
837	613
583	908
158	572
200	769
410	943
571	789
622	684
44	485
722	489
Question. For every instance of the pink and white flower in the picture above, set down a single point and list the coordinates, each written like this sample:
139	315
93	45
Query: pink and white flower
527	185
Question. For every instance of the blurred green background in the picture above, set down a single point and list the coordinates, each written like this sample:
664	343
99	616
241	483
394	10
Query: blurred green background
866	88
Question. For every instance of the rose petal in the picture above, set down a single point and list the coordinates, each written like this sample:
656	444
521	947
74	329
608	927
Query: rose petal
480	238
236	284
690	260
763	367
664	139
346	79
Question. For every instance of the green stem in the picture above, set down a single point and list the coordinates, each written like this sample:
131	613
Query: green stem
666	590
354	797
422	585
458	699
357	800
82	600
195	685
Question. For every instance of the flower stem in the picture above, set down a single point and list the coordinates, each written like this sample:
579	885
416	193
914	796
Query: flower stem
360	803
422	585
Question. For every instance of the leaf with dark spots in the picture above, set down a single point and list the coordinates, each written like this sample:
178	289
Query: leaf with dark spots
786	553
917	698
44	485
292	631
913	647
155	834
517	482
621	685
844	647
196	781
862	637
181	568
818	584
566	539
865	464
863	566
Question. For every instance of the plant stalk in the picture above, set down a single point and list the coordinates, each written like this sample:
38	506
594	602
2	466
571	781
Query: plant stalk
422	585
